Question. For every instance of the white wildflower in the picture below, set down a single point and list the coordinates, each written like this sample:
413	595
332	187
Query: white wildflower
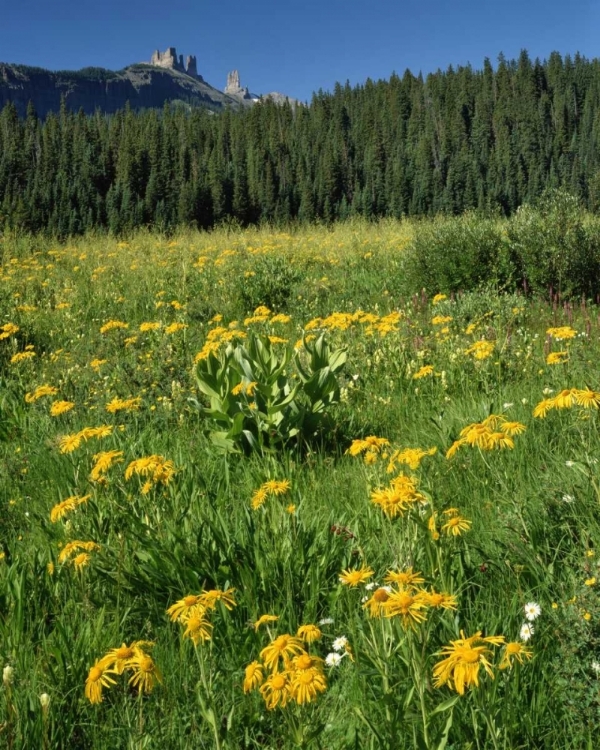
340	643
527	631
532	611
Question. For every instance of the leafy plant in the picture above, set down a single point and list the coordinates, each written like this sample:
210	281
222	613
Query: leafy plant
257	403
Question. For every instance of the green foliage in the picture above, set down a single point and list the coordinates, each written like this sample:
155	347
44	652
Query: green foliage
554	247
257	403
458	254
272	282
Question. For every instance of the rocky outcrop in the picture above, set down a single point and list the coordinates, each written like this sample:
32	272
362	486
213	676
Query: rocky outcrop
142	86
234	87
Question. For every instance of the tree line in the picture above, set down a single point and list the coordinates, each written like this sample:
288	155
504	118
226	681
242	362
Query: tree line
454	140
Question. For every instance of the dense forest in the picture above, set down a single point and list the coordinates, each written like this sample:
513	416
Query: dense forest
489	139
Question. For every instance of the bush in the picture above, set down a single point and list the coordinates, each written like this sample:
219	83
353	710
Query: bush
458	254
555	247
271	284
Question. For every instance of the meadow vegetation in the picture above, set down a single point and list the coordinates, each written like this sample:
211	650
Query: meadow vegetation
331	488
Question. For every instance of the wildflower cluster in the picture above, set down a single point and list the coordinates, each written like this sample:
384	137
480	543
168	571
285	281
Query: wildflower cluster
495	432
400	496
82	558
287	671
194	612
145	674
69	443
156	469
274	487
566	399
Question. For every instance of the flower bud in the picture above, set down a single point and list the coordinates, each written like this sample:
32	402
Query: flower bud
45	701
7	675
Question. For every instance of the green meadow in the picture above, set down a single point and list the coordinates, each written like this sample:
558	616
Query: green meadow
336	487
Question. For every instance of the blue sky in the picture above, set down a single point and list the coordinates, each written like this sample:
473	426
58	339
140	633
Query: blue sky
295	47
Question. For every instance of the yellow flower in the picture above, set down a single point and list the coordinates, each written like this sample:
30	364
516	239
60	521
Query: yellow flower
562	332
61	509
565	399
481	349
542	409
197	627
376	604
98	677
144	327
291	509
21	357
276	691
104	460
412	457
356	576
591	581
407	606
253	676
81	560
283	647
456	525
587	398
209	599
71	547
404	578
309	633
440	320
440	601
175	327
306	683
512	428
145	672
264	619
8	329
112	325
61	407
185	607
557	358
464	657
258	498
129	404
118	658
40	392
438	298
514	651
372	444
423	372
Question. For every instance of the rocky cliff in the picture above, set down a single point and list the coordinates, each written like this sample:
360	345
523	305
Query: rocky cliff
144	86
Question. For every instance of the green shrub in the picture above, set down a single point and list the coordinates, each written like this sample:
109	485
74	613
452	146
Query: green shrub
271	284
256	403
457	254
555	247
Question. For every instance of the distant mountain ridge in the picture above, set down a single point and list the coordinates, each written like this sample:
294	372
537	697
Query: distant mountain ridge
143	85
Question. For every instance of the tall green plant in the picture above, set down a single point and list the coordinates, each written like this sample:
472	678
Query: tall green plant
256	402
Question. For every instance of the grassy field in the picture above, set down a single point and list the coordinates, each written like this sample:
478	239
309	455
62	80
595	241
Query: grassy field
257	494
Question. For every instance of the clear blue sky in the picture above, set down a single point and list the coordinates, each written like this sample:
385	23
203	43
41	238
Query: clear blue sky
295	47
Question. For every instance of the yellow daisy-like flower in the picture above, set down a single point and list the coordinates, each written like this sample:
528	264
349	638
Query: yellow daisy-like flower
404	578
423	372
264	620
306	684
565	399
464	657
61	509
8	329
145	672
40	392
197	627
185	607
354	577
103	462
209	599
309	633
253	676
456	525
276	690
284	647
75	545
408	606
258	498
542	409
438	600
376	604
372	444
21	357
562	332
117	658
98	677
277	487
587	398
557	358
514	651
61	407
